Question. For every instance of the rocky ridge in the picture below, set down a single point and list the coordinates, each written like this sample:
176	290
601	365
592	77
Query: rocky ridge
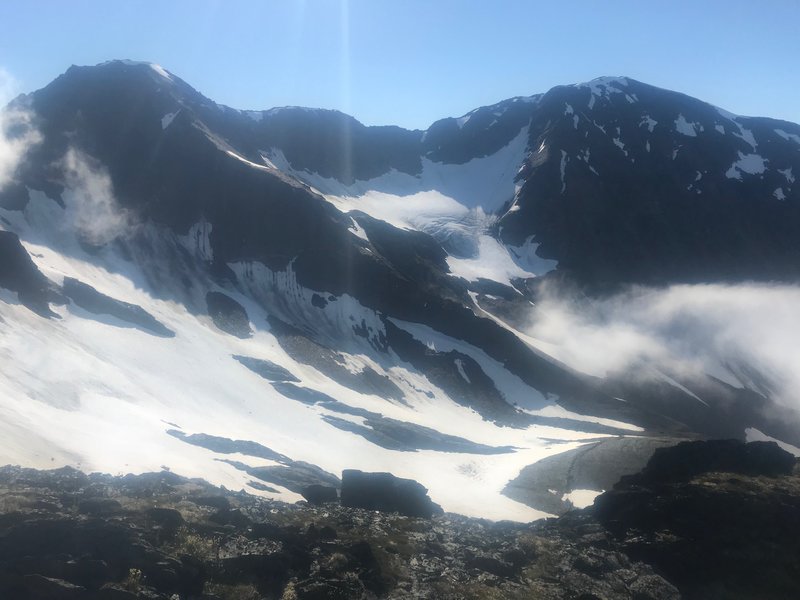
701	534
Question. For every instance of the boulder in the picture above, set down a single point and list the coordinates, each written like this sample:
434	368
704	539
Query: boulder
228	315
386	493
320	494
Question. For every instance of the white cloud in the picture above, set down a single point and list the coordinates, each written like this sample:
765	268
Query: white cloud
90	200
729	331
17	134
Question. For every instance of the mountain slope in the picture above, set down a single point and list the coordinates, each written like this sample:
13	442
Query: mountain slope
267	298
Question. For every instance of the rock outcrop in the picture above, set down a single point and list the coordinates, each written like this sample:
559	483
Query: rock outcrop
719	519
386	493
66	535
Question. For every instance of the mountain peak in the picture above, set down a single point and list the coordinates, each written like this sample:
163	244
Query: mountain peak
137	63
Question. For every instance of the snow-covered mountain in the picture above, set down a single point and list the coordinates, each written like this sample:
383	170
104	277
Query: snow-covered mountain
266	298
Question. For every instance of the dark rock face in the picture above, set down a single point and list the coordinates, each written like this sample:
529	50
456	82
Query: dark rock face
228	314
91	300
632	183
594	466
291	474
719	519
228	446
304	395
336	145
689	459
387	493
400	435
302	348
19	274
320	494
266	369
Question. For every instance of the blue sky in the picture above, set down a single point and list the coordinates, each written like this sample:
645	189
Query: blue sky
410	62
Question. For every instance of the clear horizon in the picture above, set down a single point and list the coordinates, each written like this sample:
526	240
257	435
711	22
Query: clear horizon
413	63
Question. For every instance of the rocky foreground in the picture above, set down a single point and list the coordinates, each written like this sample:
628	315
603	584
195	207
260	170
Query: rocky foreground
702	520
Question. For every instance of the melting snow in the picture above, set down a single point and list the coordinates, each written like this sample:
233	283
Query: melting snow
650	122
581	498
198	241
527	259
751	434
686	128
245	161
752	164
493	262
168	118
461	371
746	135
357	230
788	136
778	193
678	385
556	411
787	173
486	182
160	70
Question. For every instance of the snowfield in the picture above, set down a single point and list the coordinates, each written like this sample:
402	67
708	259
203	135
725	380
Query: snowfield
99	394
454	203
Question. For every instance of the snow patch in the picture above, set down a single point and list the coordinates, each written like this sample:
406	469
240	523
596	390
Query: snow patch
198	241
167	119
293	303
160	70
581	498
751	434
559	412
245	161
486	182
649	121
746	135
493	262
513	389
752	164
461	371
527	259
678	385
687	128
788	136
357	230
